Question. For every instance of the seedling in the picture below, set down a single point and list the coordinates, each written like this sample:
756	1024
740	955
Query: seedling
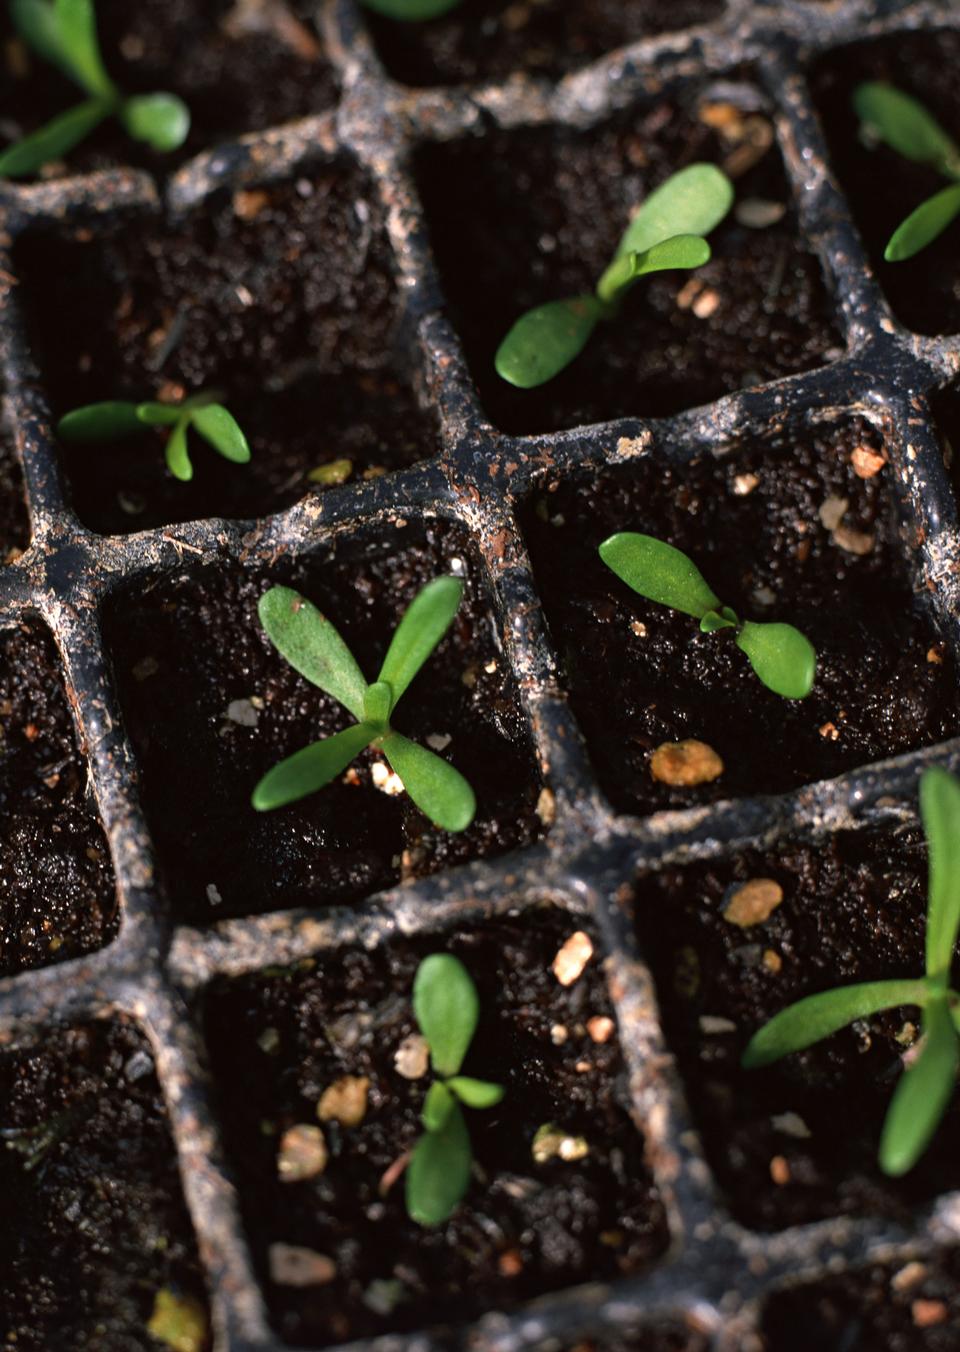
411	11
887	114
921	1097
115	419
64	32
446	1005
311	645
667	232
780	655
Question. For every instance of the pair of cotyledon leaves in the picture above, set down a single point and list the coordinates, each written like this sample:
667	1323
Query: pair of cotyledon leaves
64	32
667	232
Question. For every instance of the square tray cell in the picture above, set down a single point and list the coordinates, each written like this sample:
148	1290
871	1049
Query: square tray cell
94	1225
483	41
883	187
14	522
280	298
763	524
57	897
521	218
524	1228
210	706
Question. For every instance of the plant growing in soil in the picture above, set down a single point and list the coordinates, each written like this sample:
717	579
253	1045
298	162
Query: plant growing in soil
667	232
887	114
921	1097
312	645
115	419
782	657
446	1006
64	32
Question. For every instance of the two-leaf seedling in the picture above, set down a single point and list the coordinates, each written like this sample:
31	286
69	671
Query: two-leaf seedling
921	1097
115	419
667	232
311	645
446	1005
887	114
781	656
64	32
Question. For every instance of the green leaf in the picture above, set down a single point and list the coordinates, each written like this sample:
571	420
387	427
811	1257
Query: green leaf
783	658
422	626
659	572
682	251
940	813
411	11
439	791
725	618
177	453
222	430
922	1095
691	202
159	415
108	421
39	27
312	768
905	125
437	1106
818	1016
546	339
439	1171
162	120
475	1093
447	1007
77	25
377	703
54	140
923	225
312	646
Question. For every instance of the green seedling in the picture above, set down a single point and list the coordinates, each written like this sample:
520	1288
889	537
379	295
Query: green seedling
115	419
921	1097
311	645
446	1005
887	114
780	655
411	11
64	32
667	232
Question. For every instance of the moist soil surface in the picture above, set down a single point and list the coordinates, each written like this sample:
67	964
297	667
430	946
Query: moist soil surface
521	218
524	1228
95	1224
14	522
281	299
640	675
882	186
210	706
57	897
483	41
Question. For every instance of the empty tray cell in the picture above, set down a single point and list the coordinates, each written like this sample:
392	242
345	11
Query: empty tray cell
96	1245
281	299
14	522
339	1255
785	530
522	218
211	706
881	185
483	41
57	896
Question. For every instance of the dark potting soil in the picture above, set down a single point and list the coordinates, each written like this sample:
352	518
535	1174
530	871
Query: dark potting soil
524	1228
640	675
483	41
661	1335
186	651
14	522
57	896
521	218
235	74
281	298
884	187
94	1220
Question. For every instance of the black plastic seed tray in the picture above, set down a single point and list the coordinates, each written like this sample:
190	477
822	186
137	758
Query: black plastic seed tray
717	1274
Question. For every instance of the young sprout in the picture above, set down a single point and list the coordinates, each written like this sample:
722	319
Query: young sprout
780	655
667	232
64	32
115	419
313	647
411	11
446	1005
921	1097
887	114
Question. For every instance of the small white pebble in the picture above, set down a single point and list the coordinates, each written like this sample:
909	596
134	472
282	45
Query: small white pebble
744	484
385	779
831	511
412	1057
244	712
572	957
791	1124
438	741
213	894
714	1024
559	1034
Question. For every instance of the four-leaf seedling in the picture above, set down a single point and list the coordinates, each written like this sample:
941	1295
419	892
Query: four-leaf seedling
311	645
921	1097
781	656
447	1008
64	32
667	232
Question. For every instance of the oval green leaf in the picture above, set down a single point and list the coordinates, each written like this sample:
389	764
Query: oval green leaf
439	1171
447	1007
422	626
108	421
659	572
37	24
52	141
221	429
940	813
159	415
161	120
77	27
311	769
377	703
437	1106
312	646
177	453
691	202
923	225
906	126
783	658
922	1095
681	251
475	1093
546	339
439	791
